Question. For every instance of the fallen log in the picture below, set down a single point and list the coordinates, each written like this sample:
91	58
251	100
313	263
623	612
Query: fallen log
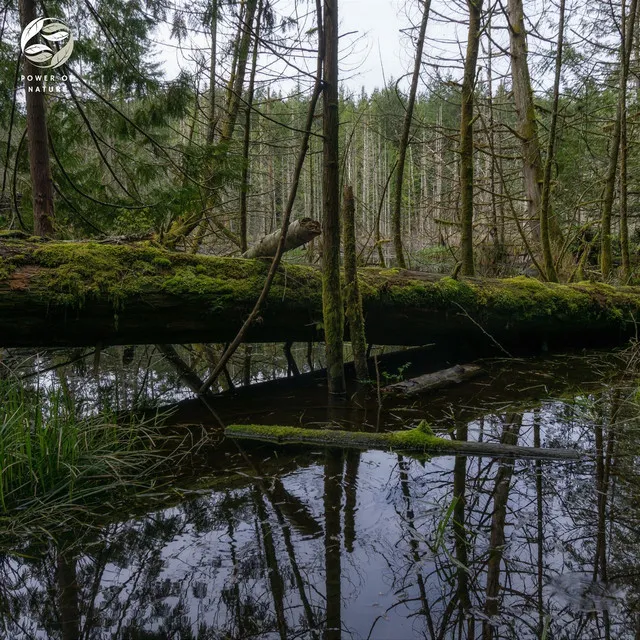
79	294
419	440
433	381
299	233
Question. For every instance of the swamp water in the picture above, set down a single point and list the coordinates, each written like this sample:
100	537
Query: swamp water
261	542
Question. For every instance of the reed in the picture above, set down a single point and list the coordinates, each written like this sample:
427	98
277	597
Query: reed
49	454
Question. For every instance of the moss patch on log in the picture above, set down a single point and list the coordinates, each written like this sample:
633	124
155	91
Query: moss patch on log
419	441
420	438
70	273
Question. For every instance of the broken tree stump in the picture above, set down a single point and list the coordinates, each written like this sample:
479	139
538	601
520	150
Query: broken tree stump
300	232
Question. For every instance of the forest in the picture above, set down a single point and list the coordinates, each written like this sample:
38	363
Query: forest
319	319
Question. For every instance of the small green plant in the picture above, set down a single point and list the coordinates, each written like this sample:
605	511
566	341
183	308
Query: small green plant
48	454
398	376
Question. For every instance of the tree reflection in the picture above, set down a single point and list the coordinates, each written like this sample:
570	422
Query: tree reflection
354	544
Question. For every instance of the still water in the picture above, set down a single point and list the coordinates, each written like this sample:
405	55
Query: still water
267	542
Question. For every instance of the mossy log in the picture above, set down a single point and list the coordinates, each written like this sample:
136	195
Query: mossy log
74	294
419	440
433	381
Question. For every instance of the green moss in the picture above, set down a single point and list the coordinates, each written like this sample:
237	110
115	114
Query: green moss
419	439
162	261
68	274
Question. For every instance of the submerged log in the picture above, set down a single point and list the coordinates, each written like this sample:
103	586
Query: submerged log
432	381
79	294
300	232
416	440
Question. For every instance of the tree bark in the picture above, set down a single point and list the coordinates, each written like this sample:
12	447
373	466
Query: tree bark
37	138
545	211
211	124
527	122
333	314
299	233
353	299
614	148
404	140
246	143
466	137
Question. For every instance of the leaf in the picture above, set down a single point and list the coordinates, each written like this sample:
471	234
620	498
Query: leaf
30	31
52	27
37	48
40	57
58	36
63	55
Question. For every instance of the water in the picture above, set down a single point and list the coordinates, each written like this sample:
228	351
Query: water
265	542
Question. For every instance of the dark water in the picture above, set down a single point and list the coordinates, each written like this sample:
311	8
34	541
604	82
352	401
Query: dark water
267	542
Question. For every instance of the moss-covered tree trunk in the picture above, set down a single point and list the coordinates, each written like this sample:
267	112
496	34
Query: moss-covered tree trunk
466	137
333	314
528	131
352	289
68	294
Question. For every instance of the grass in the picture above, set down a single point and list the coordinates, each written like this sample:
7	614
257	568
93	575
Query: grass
49	455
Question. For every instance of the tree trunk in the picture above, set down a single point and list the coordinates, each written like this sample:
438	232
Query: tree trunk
614	148
545	211
246	144
466	137
527	122
299	233
236	84
211	125
352	289
66	294
333	315
404	140
38	141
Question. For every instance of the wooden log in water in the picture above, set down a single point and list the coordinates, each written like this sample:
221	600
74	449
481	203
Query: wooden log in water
79	294
433	381
417	440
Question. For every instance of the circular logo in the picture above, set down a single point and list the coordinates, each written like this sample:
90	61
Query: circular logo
37	36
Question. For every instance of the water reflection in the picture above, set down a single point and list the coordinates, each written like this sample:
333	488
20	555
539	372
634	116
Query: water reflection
346	544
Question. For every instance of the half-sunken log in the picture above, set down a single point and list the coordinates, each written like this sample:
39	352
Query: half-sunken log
433	381
419	440
67	294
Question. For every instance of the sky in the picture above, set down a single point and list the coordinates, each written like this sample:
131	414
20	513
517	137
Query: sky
373	49
379	22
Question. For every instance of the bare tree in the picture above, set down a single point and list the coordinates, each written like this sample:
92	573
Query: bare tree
404	139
